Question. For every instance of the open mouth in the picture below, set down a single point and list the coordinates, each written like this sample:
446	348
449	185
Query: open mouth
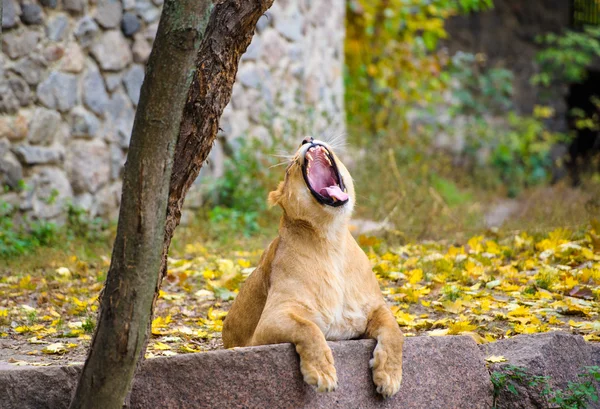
323	177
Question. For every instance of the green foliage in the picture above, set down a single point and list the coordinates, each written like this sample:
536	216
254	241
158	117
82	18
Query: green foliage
391	58
577	395
566	57
518	149
81	225
479	90
238	199
88	325
25	237
28	235
449	191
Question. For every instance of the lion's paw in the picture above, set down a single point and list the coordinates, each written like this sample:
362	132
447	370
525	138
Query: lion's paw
320	372
387	370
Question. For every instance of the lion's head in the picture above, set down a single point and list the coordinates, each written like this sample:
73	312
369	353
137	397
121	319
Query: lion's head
317	185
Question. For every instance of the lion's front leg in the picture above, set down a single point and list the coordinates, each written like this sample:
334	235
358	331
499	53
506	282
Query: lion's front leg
316	359
387	356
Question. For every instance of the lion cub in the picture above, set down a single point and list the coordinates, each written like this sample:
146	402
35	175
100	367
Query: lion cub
314	283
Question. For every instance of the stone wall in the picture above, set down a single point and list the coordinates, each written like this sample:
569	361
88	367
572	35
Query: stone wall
70	76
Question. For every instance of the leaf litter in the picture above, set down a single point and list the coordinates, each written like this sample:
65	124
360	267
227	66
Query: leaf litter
489	288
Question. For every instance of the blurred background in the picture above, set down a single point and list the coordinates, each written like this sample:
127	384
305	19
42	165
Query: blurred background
455	117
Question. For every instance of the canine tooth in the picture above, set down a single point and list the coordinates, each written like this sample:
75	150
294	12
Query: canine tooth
328	161
309	156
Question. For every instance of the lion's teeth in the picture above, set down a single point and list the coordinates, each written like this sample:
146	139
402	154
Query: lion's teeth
328	161
309	156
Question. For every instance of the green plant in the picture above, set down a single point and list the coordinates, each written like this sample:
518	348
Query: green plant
88	325
392	61
567	56
82	226
22	238
517	149
29	234
237	201
577	395
477	88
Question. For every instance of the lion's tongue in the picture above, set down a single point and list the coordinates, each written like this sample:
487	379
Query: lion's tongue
335	192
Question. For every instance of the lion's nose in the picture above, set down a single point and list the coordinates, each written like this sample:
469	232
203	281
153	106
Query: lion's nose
308	139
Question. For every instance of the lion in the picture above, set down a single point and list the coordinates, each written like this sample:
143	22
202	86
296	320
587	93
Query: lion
314	283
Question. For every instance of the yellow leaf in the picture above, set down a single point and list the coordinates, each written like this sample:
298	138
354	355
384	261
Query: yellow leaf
592	338
475	244
460	327
56	348
455	307
520	311
63	272
494	359
440	332
414	276
405	319
159	346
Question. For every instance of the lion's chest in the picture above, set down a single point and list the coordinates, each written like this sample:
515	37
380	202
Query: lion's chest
342	309
345	322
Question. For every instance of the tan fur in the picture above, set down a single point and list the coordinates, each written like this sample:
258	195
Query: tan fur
313	284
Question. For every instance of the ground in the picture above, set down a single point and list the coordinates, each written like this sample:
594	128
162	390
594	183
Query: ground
490	287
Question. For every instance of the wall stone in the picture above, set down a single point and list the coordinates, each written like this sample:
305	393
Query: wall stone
70	78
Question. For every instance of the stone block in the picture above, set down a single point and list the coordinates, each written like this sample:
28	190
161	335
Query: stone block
141	49
32	14
19	44
50	192
86	31
557	355
58	91
130	24
121	114
109	13
133	80
8	100
84	124
75	6
31	68
147	10
112	51
88	165
11	171
73	60
440	372
43	126
94	92
10	13
38	155
20	89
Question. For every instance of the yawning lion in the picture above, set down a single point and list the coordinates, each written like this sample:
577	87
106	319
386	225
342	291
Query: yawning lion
314	283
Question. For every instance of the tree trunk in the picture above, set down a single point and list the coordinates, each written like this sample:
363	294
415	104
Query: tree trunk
228	34
126	301
155	171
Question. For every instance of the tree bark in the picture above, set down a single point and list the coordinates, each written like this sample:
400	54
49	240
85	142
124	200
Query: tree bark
168	148
228	34
126	301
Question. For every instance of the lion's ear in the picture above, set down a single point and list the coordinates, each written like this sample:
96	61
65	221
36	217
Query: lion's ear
276	195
